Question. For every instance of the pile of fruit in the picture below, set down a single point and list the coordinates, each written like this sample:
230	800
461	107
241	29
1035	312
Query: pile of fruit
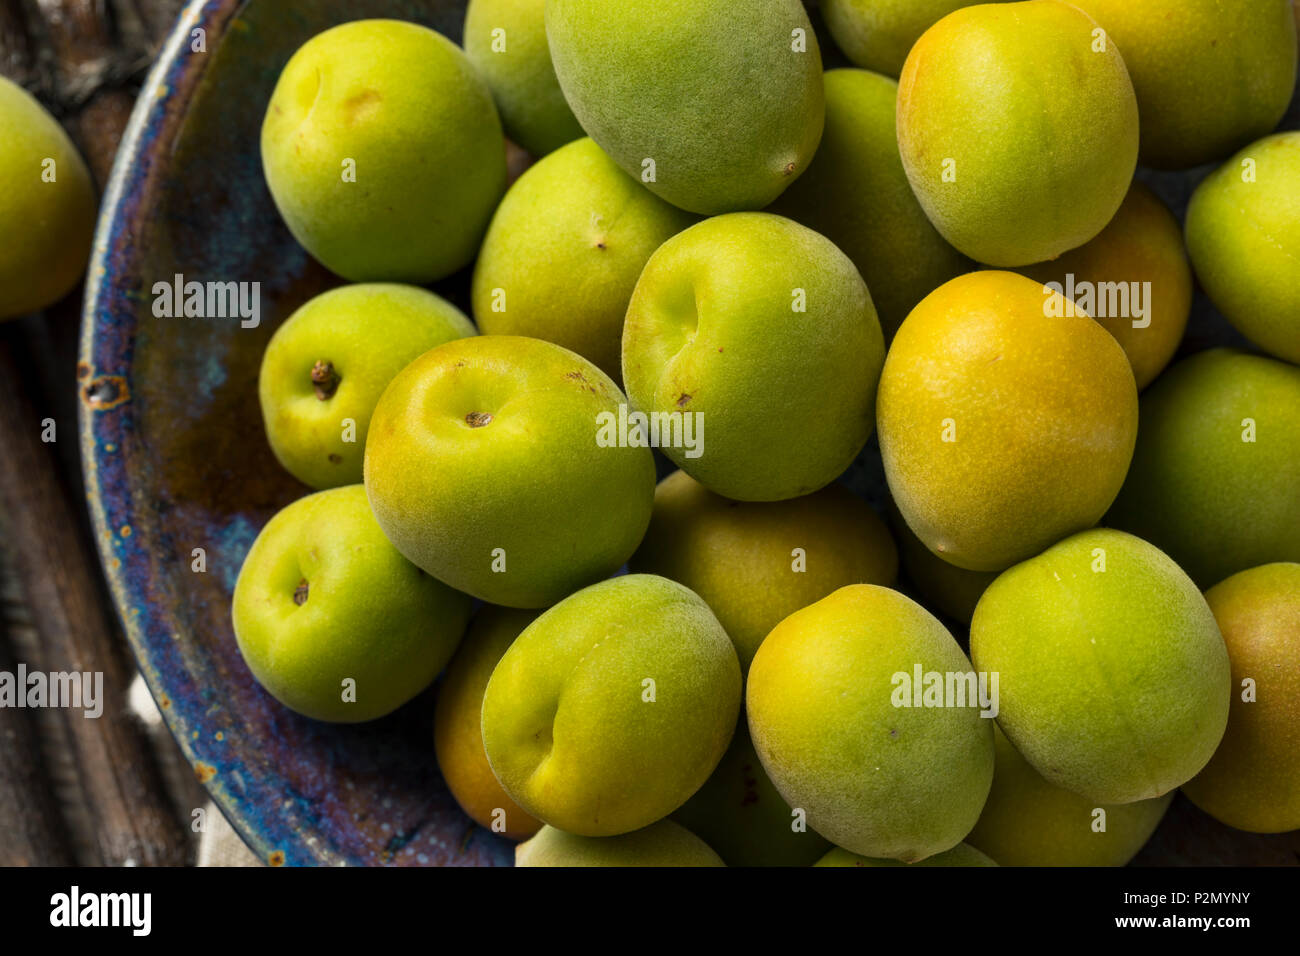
726	259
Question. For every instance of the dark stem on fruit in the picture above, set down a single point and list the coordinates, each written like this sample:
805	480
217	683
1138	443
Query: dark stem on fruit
477	419
300	593
325	379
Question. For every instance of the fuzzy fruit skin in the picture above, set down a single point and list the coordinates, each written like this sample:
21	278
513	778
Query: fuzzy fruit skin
738	555
1114	683
1244	239
712	330
566	247
740	813
522	80
1043	409
567	725
368	614
1143	243
451	491
660	844
960	855
942	586
995	88
878	34
458	722
1253	781
1210	75
856	194
407	106
1239	507
367	333
48	225
713	93
879	780
1030	822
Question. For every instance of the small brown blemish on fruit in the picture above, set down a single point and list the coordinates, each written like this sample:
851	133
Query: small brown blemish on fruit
204	772
893	733
576	376
789	168
324	379
276	858
300	593
335	459
600	244
105	392
683	399
478	419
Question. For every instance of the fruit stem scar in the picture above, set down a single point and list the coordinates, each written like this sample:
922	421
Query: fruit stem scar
300	593
477	419
324	379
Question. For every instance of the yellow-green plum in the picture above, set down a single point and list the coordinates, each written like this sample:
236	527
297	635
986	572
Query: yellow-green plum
740	813
383	152
1007	420
877	34
942	586
1243	233
613	707
882	765
565	249
326	366
960	855
755	563
506	42
1210	75
1215	480
716	107
47	206
1253	781
333	622
764	331
1133	278
1030	822
985	95
856	194
485	468
660	844
1112	673
458	723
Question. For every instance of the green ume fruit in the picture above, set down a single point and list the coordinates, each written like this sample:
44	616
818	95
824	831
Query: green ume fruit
506	42
760	334
1018	129
383	152
47	206
716	106
1113	674
326	366
613	707
877	34
660	844
485	467
332	621
960	855
564	251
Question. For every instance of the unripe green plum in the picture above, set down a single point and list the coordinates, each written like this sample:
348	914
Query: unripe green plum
47	206
763	331
877	34
660	844
833	722
1030	822
1113	674
1215	480
613	707
716	107
1243	233
1018	130
333	622
564	251
484	467
324	369
506	42
383	152
755	563
856	194
960	855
